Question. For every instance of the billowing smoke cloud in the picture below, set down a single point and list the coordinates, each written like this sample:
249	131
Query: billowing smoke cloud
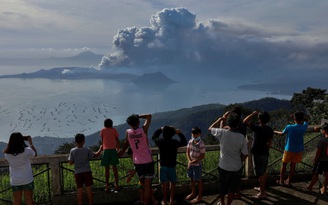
174	37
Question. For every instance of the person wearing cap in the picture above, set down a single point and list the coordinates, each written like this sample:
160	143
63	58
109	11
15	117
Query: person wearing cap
320	161
168	148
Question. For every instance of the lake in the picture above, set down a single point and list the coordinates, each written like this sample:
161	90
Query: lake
62	108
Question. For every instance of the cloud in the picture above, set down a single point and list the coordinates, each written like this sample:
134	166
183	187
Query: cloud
174	37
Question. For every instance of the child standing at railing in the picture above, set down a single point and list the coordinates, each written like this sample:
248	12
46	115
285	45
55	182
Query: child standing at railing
111	144
168	148
137	139
80	156
233	151
294	146
320	161
195	154
260	148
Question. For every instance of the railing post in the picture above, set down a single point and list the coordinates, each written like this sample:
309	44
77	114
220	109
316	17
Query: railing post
54	165
158	167
249	160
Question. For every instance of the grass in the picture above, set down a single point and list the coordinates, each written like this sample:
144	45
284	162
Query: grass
41	183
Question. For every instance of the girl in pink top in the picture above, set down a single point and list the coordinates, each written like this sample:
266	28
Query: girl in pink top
110	143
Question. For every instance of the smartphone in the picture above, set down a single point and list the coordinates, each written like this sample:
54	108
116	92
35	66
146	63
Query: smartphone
25	138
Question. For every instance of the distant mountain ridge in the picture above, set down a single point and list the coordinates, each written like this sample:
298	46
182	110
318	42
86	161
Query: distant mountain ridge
154	80
184	119
83	59
72	73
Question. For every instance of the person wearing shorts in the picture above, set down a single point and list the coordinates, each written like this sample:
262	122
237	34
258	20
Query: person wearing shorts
84	178
233	151
262	141
195	154
111	144
320	162
80	156
145	170
294	146
18	155
168	149
229	181
137	139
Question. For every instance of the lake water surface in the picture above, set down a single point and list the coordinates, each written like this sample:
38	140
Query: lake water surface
61	108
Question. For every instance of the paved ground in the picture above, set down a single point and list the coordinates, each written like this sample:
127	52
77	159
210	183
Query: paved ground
277	195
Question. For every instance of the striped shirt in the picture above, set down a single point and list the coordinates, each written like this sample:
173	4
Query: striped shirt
195	150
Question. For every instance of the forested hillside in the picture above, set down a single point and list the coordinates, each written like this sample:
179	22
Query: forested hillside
199	116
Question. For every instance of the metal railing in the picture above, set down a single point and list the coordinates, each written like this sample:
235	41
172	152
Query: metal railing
42	182
98	172
55	177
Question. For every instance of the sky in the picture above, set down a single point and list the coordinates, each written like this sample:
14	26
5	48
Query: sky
254	34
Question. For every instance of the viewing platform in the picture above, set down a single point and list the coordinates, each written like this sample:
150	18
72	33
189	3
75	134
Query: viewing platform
54	179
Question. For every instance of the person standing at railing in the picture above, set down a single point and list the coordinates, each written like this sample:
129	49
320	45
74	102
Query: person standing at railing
242	128
294	146
233	151
320	161
137	139
80	156
263	135
168	148
18	155
195	155
111	144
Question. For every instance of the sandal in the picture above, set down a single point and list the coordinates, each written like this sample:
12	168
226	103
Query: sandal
196	200
190	196
322	192
258	196
279	183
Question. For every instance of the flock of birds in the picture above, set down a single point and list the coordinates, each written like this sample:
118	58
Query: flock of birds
64	118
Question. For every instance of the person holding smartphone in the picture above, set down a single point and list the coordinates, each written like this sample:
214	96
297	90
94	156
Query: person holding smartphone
18	155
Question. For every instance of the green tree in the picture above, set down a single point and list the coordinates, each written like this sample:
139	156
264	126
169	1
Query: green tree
307	98
65	148
244	110
314	101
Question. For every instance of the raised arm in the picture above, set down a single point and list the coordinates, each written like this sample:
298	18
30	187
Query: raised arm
146	125
31	145
156	135
248	119
218	123
183	140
